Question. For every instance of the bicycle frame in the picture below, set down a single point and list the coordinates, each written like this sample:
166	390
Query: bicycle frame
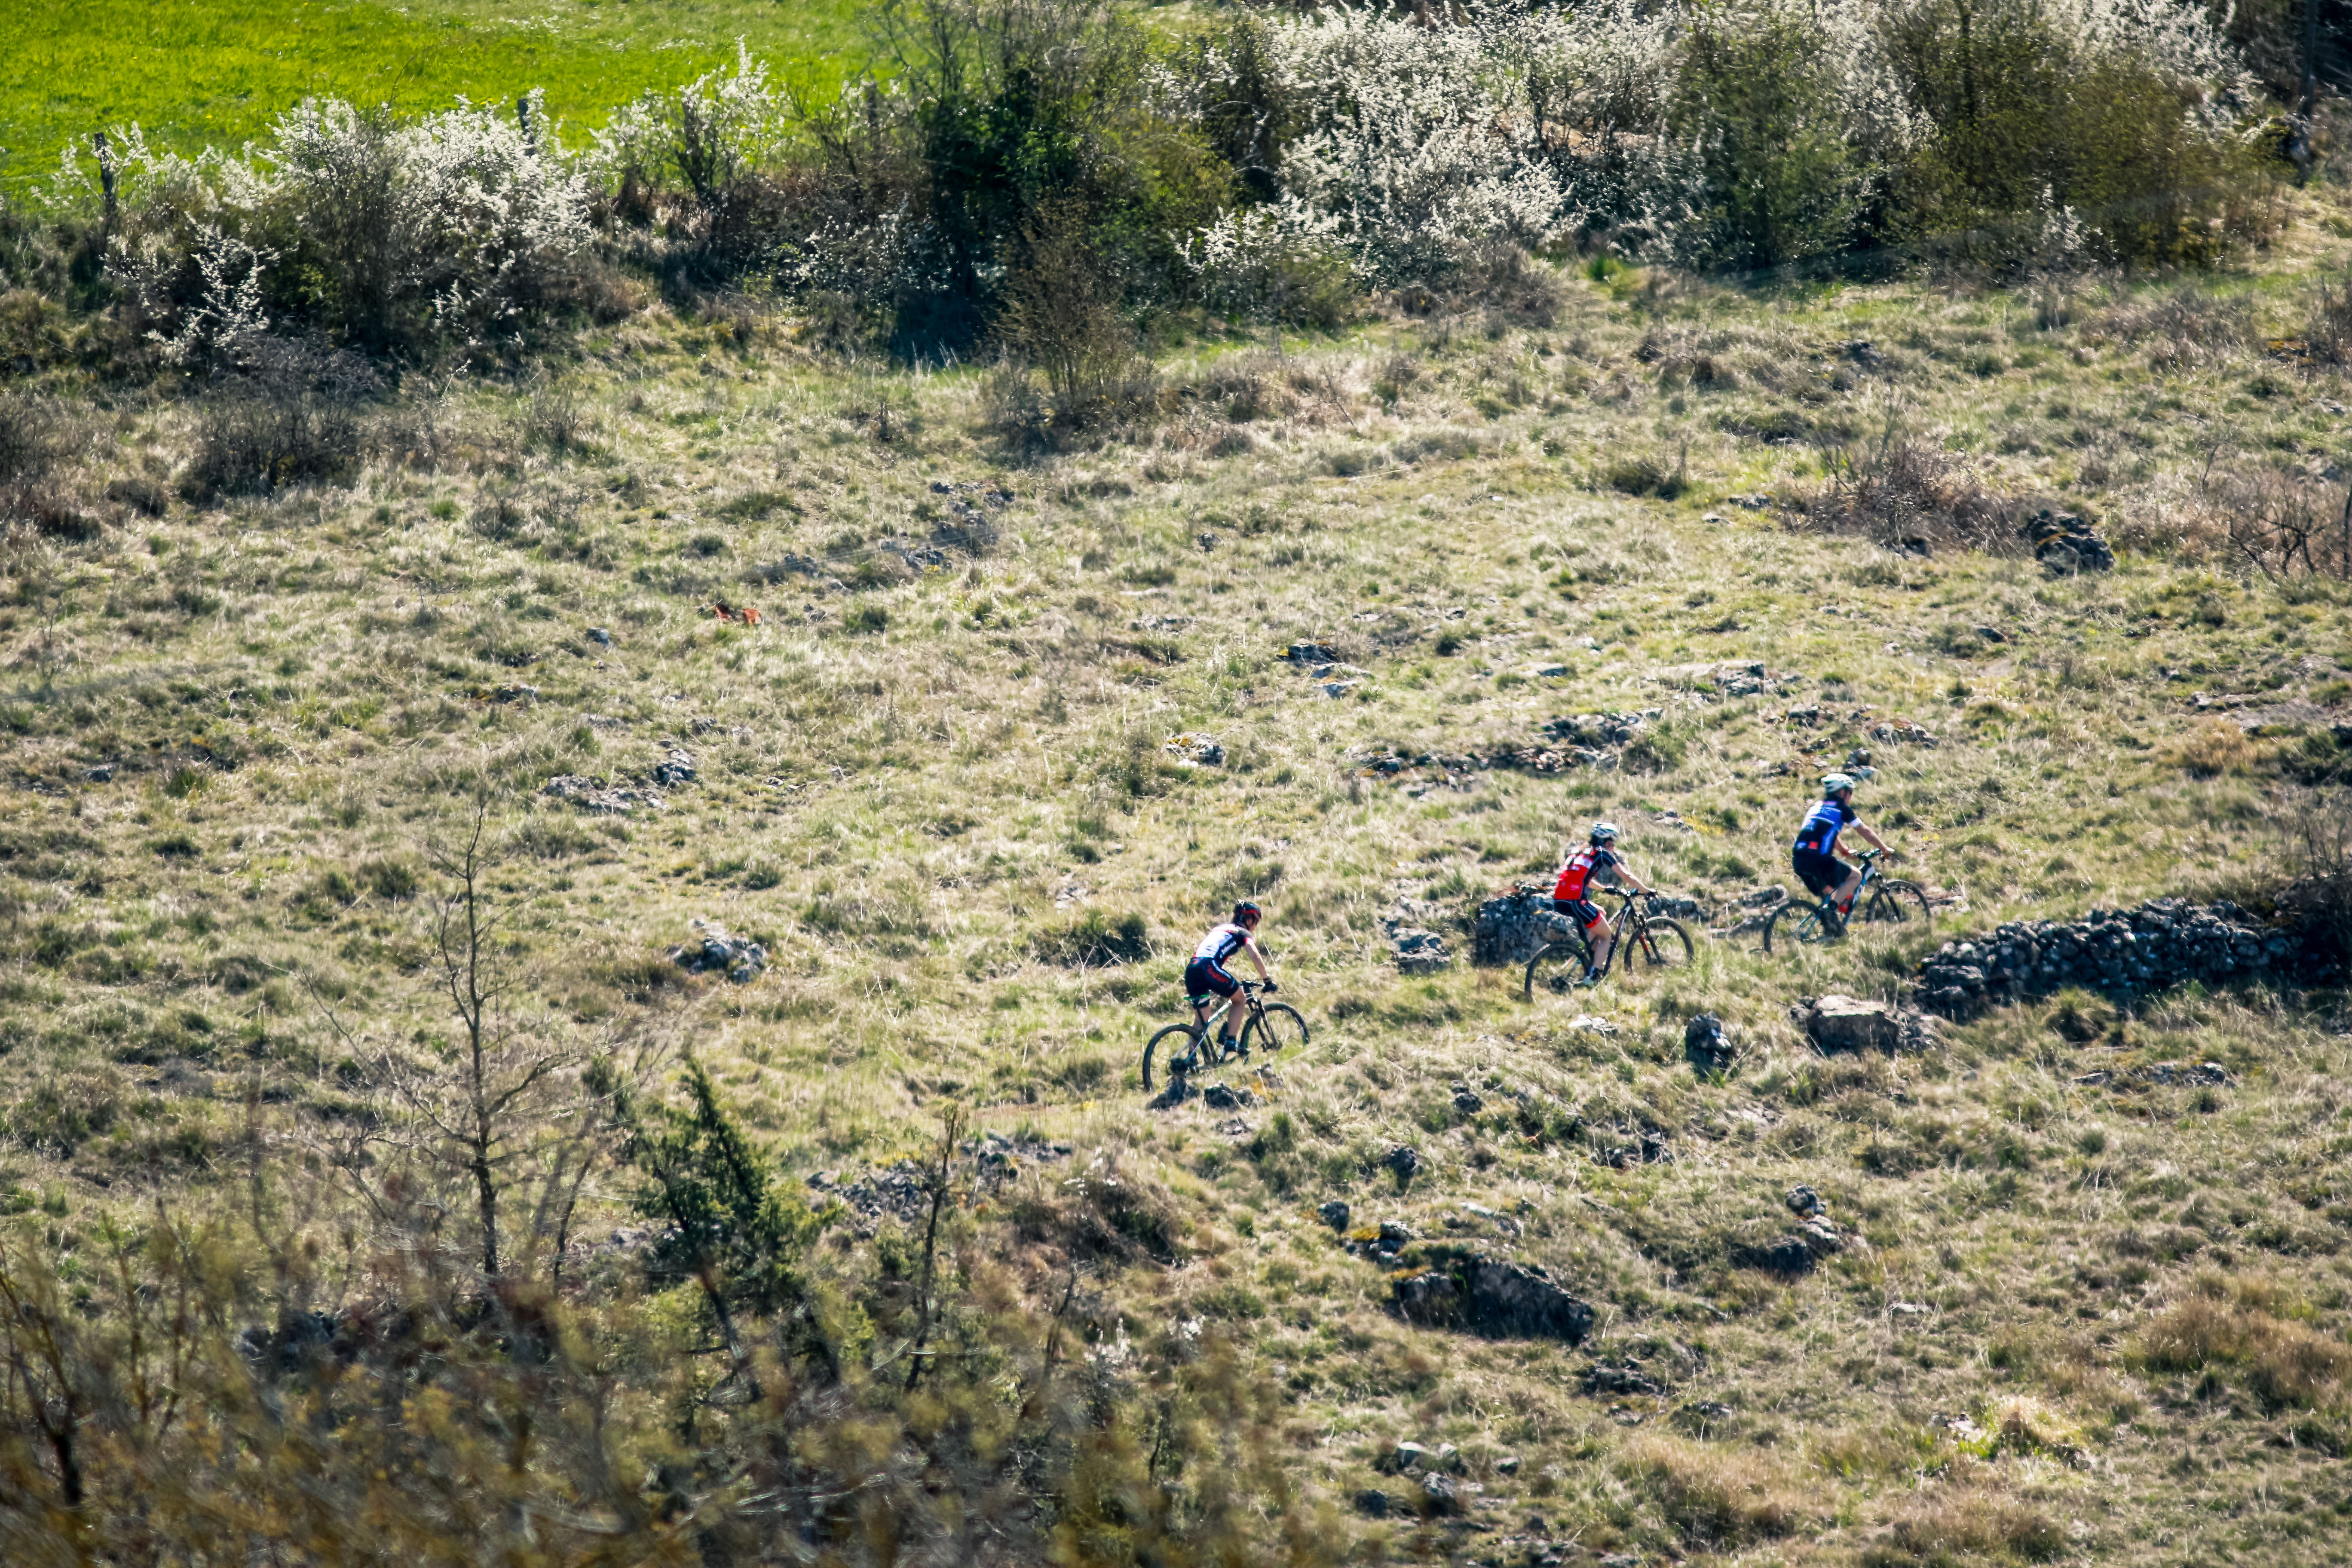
1868	860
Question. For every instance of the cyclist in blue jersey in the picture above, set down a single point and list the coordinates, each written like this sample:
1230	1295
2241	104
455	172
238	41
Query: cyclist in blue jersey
1815	857
1206	982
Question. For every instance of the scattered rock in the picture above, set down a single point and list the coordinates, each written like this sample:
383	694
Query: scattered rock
1218	1097
1374	1503
1466	1102
1179	1090
1195	750
1909	1309
1407	1458
1333	1213
1403	1162
1622	1377
1600	729
741	959
1903	732
1310	653
1805	1201
1674	907
1441	1495
1765	898
1492	1296
675	768
1420	953
600	636
516	691
596	795
1392	1236
2210	1075
1849	1023
2063	542
1706	1046
103	773
1759	501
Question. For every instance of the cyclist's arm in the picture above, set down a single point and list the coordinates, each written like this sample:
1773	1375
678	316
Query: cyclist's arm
1249	945
1876	842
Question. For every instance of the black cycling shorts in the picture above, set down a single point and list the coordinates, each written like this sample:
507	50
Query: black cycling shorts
1583	912
1207	977
1820	872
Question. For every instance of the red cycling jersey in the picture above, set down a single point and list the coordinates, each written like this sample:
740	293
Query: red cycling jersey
1579	869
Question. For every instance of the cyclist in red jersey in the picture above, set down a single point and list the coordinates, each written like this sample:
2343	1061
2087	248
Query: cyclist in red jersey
1598	857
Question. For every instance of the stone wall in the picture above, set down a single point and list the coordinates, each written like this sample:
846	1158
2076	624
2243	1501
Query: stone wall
2157	945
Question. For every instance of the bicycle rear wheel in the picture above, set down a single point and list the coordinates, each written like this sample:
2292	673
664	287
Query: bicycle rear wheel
1173	1048
1800	925
1560	964
1893	902
1279	1029
1662	944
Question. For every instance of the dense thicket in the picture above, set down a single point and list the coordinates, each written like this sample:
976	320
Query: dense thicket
1006	150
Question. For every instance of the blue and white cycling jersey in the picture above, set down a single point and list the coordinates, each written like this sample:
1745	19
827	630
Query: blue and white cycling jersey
1819	836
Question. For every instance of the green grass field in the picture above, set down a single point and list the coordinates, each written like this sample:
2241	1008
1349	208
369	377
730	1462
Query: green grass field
194	72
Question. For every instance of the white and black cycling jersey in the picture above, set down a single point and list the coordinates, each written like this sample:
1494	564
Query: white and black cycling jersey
1222	942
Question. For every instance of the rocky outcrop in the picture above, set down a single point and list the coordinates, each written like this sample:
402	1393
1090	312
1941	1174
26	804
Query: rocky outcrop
2064	542
2121	953
1515	927
1491	1296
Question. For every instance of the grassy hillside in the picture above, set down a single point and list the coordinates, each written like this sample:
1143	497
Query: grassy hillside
2080	1321
196	74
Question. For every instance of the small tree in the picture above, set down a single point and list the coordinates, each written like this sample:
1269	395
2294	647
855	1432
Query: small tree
498	1110
728	1229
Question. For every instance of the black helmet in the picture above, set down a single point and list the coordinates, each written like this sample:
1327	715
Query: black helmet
1245	911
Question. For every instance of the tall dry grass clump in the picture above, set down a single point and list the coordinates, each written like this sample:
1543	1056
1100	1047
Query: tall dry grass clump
1716	1496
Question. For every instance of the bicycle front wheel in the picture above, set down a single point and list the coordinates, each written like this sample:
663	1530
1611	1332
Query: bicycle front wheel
1276	1029
1559	966
1800	925
1895	902
1662	944
1173	1048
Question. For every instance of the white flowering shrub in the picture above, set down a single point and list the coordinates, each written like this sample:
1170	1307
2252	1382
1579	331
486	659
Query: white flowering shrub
384	235
705	137
1746	133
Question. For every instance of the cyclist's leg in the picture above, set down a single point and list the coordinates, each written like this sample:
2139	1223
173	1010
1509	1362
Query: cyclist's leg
1847	889
1603	938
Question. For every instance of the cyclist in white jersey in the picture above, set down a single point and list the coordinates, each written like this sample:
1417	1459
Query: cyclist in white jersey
1206	982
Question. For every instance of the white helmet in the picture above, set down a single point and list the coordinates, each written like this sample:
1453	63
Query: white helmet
1602	831
1832	782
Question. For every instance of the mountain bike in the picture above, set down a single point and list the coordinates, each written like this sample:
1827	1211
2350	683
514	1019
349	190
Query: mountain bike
1184	1049
1643	939
1879	901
